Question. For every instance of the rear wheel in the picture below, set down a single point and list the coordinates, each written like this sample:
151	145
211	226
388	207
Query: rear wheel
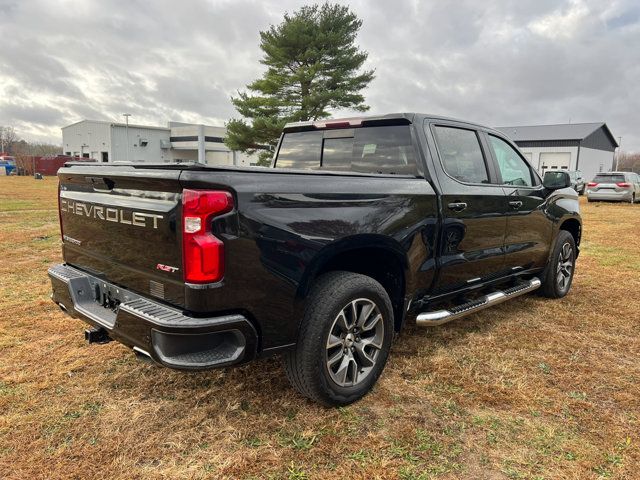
561	267
344	339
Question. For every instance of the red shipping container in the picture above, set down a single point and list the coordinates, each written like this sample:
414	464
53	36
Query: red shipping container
49	165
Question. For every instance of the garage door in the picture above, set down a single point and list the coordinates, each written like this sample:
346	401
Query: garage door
555	161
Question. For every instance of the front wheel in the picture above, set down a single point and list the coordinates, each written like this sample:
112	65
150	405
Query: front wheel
344	339
561	267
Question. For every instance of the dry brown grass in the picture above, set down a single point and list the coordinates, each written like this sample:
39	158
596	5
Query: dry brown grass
530	389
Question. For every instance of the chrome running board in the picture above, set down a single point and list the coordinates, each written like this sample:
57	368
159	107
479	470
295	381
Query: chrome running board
438	317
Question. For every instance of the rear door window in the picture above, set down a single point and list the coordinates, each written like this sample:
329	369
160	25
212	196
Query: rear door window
461	154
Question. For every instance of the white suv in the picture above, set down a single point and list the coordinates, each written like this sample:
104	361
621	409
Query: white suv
614	187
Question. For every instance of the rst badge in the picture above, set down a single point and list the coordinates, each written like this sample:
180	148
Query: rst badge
167	268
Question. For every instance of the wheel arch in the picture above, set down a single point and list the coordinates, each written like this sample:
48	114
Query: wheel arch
377	256
574	227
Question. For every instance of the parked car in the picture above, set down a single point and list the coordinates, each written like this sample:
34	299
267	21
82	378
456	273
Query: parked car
8	163
577	181
359	225
614	187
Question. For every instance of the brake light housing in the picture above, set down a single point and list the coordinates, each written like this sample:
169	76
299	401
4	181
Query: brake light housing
592	184
202	251
60	212
623	184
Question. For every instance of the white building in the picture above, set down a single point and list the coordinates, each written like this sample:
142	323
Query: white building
588	147
111	141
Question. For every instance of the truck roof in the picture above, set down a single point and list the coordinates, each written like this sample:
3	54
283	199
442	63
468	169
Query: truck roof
403	118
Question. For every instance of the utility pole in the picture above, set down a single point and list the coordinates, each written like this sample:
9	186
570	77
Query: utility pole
617	155
126	128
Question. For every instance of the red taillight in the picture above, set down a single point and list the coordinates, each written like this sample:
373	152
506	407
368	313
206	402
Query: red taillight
592	184
203	252
623	184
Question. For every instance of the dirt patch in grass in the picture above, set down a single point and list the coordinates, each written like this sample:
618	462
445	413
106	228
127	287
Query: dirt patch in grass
529	389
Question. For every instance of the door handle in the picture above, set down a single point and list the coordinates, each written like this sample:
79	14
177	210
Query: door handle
457	206
515	204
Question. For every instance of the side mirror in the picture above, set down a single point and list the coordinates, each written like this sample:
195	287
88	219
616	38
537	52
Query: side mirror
556	180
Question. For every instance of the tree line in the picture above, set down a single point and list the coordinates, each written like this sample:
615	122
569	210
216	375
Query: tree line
12	144
628	161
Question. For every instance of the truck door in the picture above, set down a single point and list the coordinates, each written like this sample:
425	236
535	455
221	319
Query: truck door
473	207
528	229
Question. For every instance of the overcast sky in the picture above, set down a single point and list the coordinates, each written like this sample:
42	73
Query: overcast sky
497	62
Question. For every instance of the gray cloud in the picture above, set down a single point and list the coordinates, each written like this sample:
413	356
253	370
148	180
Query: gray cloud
497	62
33	113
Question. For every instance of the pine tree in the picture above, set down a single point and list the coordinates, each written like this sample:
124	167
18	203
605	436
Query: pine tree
313	65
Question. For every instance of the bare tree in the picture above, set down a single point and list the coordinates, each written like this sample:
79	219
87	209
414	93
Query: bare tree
38	149
8	137
629	161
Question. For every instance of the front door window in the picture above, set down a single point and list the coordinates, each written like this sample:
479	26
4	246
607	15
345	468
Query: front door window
513	168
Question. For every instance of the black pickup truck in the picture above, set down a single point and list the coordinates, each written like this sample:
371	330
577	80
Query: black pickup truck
359	225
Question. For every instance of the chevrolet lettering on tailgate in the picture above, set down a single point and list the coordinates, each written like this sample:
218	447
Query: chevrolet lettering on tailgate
110	214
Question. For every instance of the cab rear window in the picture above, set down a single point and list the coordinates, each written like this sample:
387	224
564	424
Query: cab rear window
385	149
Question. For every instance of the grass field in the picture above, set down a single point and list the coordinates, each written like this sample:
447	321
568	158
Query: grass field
530	389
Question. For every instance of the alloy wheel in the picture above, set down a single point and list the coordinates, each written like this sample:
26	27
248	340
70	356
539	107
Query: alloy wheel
354	343
565	266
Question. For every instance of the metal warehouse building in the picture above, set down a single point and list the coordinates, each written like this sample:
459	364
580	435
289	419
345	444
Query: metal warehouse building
107	141
588	147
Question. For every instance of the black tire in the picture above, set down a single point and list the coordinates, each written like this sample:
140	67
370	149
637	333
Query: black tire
552	286
308	364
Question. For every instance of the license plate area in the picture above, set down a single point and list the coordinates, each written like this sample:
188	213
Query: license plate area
107	296
97	299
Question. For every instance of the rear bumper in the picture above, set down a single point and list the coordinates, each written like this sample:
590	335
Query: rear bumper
610	196
165	334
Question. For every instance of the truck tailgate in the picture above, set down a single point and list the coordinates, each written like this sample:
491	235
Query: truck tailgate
121	224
